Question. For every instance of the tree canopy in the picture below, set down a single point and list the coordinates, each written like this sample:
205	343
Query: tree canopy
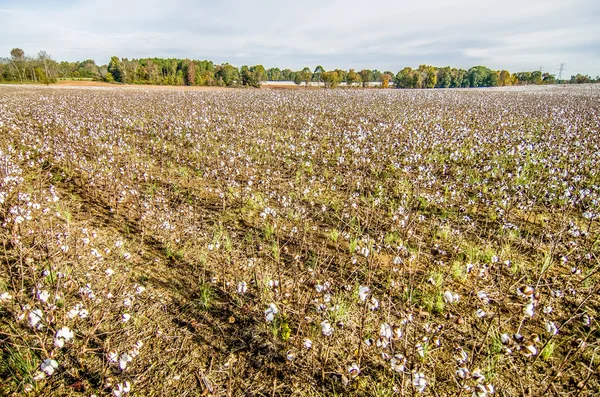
171	71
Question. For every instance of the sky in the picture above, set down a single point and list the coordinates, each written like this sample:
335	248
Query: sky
516	35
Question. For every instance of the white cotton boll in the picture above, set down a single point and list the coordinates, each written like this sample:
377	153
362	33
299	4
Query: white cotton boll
419	382
462	373
124	359
528	310
451	297
35	316
49	366
504	338
271	312
383	343
448	297
307	343
125	317
478	375
5	297
363	292
385	331
531	350
290	355
480	313
354	370
63	335
483	297
242	288
547	309
109	272
326	328
374	304
112	356
122	389
364	252
398	363
551	328
43	295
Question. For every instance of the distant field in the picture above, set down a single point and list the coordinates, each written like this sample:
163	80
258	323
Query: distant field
240	242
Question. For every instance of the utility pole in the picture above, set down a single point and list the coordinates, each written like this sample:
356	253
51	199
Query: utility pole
560	71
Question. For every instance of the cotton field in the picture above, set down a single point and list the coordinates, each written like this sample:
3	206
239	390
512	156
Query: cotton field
300	242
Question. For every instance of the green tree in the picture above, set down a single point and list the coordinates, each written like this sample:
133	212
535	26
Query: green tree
259	73
444	77
17	57
352	77
536	77
366	76
317	73
306	75
227	74
479	76
404	78
331	79
429	76
115	68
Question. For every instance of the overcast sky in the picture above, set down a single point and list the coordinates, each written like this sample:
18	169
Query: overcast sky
510	34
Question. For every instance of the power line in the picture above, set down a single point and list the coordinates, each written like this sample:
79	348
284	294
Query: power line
561	70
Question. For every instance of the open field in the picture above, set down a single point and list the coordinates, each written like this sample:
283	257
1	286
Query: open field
299	242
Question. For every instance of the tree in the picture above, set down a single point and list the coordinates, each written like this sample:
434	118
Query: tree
429	76
505	78
331	79
375	75
548	78
227	74
46	60
352	77
274	74
479	76
366	76
189	69
115	68
536	77
17	57
317	73
248	77
306	75
259	73
298	78
444	77
580	79
385	79
493	79
404	78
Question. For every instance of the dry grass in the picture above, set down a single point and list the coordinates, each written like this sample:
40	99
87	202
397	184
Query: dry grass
203	238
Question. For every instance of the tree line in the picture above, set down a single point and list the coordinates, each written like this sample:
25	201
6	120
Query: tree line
171	71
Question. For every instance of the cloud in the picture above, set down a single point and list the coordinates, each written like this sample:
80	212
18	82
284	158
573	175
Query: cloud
513	35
